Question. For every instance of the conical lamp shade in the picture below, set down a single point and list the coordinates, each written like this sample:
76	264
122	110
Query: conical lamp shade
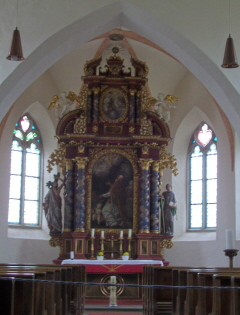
230	58
16	53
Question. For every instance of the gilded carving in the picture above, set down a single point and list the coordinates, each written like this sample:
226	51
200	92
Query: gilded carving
95	129
81	148
69	164
82	98
155	166
57	158
166	243
132	92
80	123
87	69
145	149
131	129
145	164
146	127
166	160
57	241
143	71
81	162
96	90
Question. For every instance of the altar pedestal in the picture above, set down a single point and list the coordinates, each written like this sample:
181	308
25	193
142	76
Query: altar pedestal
126	271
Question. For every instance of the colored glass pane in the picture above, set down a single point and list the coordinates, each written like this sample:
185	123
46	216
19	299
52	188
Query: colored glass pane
18	134
204	136
25	123
31	136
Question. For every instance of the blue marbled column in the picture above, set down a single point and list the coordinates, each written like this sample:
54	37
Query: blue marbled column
154	205
80	212
95	104
89	107
132	106
69	202
138	108
144	221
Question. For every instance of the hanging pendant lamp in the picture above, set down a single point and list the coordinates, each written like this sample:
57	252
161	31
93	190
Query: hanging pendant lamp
16	53
230	57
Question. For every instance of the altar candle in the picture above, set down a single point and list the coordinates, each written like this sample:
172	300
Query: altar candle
121	234
102	234
72	254
229	240
92	232
129	233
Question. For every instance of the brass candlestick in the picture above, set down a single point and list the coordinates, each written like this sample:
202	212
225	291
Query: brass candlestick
231	253
121	247
102	244
129	247
92	248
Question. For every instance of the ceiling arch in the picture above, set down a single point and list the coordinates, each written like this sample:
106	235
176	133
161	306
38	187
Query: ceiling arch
122	14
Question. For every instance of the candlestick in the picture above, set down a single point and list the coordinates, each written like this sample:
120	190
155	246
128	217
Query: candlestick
121	234
92	232
231	253
102	234
229	239
92	248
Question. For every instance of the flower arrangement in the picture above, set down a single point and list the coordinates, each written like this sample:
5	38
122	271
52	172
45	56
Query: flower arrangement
125	256
100	254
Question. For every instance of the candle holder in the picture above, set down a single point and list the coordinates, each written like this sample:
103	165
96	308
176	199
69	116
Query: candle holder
231	253
92	248
129	247
102	244
121	247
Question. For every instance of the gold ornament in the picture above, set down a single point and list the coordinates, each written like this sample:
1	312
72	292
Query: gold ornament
57	158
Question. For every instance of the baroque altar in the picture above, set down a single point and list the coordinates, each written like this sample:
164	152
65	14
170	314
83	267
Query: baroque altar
111	157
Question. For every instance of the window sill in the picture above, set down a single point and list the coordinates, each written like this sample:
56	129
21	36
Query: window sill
196	237
28	233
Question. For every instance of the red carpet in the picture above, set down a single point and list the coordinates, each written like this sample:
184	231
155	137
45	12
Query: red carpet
110	313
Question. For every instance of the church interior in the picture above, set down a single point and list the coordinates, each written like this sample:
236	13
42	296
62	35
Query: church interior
128	102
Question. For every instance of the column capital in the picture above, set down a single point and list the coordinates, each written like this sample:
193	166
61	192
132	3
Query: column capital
145	164
69	164
81	162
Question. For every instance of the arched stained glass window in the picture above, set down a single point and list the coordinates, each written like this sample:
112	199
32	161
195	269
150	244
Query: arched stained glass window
24	191
203	179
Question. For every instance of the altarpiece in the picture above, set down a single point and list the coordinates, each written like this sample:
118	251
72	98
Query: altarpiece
112	154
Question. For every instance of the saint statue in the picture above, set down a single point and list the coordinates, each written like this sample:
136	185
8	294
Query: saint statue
52	205
168	206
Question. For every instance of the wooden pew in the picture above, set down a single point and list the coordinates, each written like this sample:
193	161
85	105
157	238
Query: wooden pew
58	298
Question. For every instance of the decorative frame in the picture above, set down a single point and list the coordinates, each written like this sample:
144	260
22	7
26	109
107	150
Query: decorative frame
114	105
128	159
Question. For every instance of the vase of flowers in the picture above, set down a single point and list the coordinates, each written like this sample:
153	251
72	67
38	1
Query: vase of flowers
100	256
125	256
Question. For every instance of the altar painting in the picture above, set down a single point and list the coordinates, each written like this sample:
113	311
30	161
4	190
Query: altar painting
112	192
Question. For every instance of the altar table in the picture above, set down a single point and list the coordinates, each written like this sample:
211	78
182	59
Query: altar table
113	265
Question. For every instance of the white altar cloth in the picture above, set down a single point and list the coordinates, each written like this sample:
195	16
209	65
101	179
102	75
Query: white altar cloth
111	262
